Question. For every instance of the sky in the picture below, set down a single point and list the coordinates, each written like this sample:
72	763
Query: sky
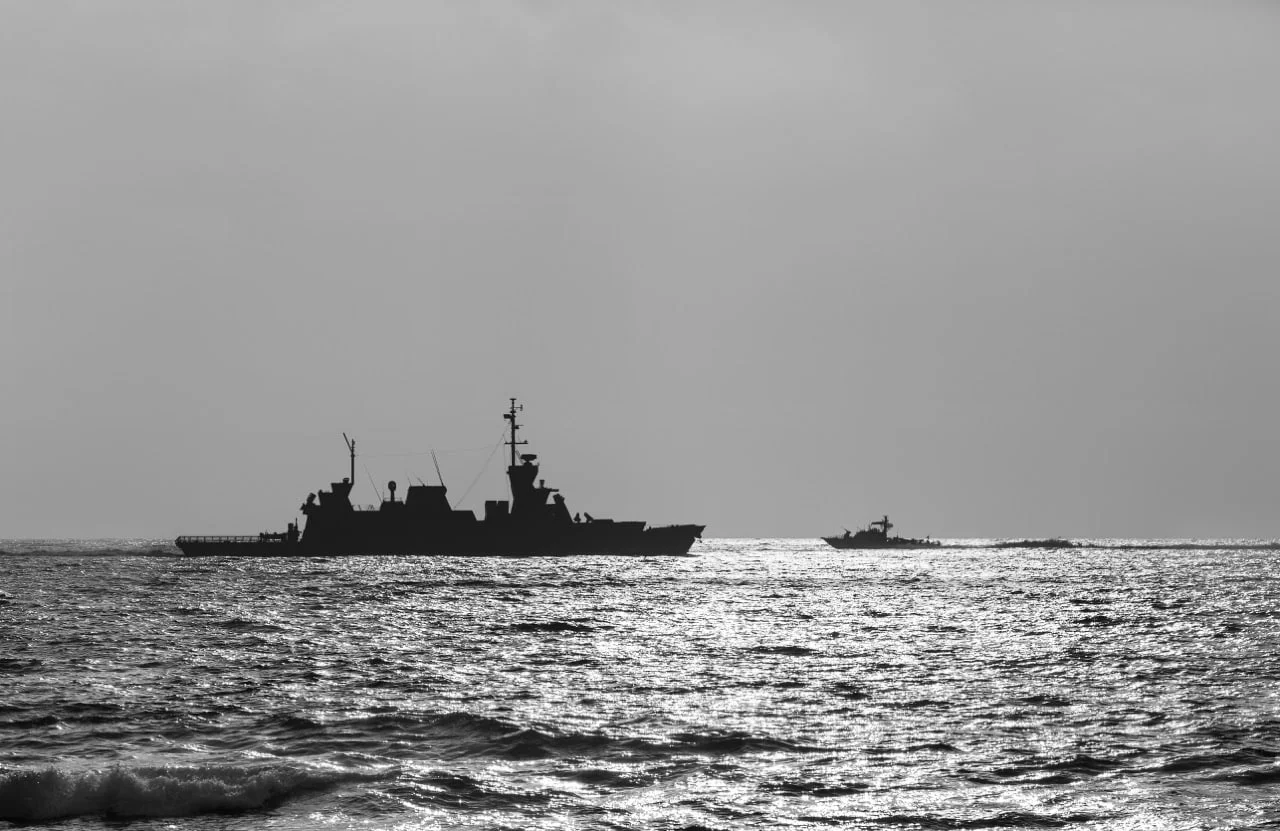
993	268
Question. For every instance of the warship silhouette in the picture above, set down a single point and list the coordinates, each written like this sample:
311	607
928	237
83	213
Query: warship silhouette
876	535
424	523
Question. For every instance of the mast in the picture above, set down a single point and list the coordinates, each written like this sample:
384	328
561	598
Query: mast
511	417
351	445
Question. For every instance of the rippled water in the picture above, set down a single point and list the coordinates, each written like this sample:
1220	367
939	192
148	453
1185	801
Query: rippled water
757	684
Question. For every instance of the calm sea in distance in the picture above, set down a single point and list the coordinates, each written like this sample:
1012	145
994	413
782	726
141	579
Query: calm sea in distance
756	684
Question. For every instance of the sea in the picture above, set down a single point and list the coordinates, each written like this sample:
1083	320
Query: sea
764	683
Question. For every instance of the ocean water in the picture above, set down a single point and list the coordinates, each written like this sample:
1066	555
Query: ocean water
756	684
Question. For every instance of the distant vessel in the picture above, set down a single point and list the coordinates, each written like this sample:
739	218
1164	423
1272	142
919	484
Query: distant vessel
876	535
424	523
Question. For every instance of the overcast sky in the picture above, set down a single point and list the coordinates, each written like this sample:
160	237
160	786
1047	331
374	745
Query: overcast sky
994	268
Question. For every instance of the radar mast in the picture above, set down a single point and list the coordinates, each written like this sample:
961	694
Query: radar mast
511	417
351	445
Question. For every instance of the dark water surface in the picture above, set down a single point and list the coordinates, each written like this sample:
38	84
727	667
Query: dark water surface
758	684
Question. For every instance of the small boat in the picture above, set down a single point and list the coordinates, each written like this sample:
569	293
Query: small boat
876	535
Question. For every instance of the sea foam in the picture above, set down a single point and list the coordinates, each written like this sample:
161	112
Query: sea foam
121	791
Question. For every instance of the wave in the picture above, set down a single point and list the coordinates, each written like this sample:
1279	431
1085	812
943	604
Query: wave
1045	700
453	722
19	665
537	744
88	548
605	778
1119	544
1007	819
1253	776
170	791
457	735
453	791
815	789
1263	759
551	626
736	742
919	704
101	552
1061	771
1185	545
241	624
783	650
850	690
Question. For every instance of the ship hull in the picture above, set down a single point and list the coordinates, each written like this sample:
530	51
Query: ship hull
236	547
600	538
894	542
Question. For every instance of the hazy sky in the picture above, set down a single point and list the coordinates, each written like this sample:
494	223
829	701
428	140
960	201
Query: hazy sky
995	268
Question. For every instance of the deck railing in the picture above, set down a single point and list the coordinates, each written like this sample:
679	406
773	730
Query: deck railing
182	540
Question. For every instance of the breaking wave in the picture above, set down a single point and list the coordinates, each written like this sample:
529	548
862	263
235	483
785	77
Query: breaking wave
123	792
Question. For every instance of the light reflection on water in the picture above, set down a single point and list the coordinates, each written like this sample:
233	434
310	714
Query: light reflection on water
756	684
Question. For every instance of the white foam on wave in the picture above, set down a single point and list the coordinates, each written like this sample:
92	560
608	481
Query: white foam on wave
169	791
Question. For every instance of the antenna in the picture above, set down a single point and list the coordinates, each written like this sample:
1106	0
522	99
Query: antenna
437	464
351	445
